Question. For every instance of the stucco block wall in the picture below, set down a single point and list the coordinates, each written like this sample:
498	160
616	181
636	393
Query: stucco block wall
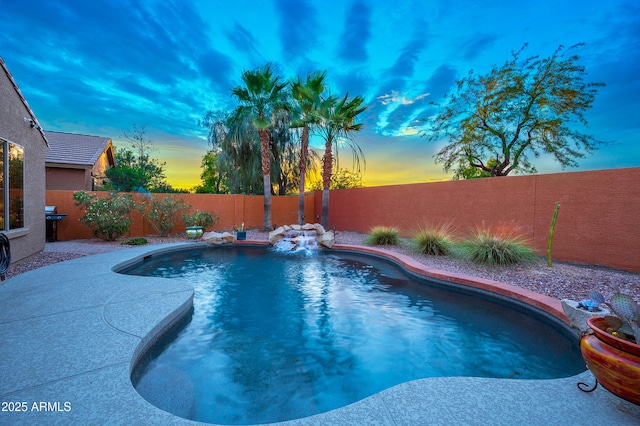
599	218
232	210
13	128
598	222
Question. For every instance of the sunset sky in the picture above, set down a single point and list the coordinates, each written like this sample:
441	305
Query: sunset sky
99	67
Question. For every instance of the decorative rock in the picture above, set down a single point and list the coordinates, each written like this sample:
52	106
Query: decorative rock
578	316
327	239
296	237
285	245
217	238
276	235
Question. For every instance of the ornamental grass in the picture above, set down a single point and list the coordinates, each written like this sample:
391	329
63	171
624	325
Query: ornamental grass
434	241
492	248
383	235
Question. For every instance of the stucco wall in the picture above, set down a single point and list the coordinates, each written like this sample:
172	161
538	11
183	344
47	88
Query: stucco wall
598	223
599	218
232	210
62	178
98	172
13	128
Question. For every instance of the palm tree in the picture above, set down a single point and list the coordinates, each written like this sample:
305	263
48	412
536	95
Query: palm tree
338	123
261	96
308	100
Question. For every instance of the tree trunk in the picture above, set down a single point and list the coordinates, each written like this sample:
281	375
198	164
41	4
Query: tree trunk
303	170
327	168
301	201
267	202
266	177
325	208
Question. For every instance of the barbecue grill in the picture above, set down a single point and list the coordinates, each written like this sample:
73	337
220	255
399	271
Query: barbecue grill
52	218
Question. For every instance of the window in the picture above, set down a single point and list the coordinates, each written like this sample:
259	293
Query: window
11	186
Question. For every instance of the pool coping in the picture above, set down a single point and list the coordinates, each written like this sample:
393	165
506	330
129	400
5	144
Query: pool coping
72	332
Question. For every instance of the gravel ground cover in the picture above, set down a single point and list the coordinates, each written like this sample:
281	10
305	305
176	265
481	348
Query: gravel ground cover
563	280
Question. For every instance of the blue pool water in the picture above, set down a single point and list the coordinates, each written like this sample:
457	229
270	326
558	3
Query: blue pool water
276	336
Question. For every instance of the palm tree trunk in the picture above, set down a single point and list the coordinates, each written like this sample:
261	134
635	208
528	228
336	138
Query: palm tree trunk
266	177
327	168
325	208
304	154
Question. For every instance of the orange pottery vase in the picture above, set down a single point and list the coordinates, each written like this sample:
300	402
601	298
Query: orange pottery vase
614	362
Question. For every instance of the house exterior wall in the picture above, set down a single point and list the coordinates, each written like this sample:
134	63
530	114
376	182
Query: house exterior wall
98	173
13	128
63	178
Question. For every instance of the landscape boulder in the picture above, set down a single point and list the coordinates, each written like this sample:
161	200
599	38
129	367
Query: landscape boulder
217	238
578	316
293	237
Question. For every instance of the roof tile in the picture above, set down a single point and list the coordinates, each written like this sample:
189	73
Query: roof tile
70	148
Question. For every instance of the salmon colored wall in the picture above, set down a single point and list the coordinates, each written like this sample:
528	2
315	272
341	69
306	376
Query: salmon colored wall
598	222
232	210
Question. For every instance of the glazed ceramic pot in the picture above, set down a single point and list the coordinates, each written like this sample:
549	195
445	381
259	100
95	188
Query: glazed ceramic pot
614	362
194	231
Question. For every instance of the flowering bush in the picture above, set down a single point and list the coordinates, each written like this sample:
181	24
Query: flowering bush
108	217
161	212
200	218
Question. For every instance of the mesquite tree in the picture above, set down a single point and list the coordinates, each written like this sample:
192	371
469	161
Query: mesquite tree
496	122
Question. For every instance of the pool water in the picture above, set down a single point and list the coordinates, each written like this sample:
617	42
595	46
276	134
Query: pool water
278	336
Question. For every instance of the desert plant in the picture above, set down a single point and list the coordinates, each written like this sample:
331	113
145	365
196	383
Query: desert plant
491	248
200	218
161	212
435	241
552	228
137	241
108	217
383	235
627	314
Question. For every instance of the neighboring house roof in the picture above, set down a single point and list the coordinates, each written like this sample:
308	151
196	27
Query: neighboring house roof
34	122
73	149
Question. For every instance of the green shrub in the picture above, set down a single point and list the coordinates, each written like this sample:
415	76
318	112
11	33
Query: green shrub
137	241
108	217
433	241
200	218
161	212
383	235
490	248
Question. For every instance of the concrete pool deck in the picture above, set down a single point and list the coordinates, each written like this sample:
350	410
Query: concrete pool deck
71	331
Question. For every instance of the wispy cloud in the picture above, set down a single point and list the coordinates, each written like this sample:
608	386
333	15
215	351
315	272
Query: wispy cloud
395	98
356	34
244	41
297	27
411	52
477	44
99	66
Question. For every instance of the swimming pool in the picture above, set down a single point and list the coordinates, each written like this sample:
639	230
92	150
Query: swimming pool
276	336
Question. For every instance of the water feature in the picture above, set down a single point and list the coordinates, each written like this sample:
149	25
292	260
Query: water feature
298	240
278	336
